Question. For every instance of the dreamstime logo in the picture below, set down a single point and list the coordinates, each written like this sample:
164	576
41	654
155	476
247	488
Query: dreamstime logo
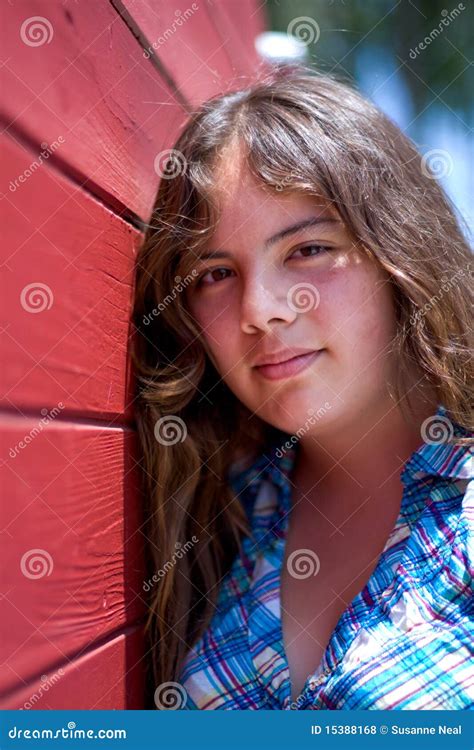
36	297
447	18
180	285
170	696
36	563
47	417
313	417
72	731
36	31
46	684
180	18
303	563
286	181
305	29
170	430
180	551
46	150
303	297
170	163
437	164
436	430
295	705
446	286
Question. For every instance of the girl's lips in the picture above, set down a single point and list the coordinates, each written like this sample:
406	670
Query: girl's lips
289	367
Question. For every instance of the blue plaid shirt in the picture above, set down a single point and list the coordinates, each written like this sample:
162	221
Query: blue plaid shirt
405	641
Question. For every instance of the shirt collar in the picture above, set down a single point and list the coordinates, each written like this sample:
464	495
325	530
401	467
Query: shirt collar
435	456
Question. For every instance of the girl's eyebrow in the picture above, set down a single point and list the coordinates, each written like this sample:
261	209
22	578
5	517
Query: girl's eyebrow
293	229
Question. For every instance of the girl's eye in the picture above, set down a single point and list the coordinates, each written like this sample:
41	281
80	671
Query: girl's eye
320	249
218	274
200	280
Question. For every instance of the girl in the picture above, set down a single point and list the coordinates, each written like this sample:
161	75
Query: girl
305	412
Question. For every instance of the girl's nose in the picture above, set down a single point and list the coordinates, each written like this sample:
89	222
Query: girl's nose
264	304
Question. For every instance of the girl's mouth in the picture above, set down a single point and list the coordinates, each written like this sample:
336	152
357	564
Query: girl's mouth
289	367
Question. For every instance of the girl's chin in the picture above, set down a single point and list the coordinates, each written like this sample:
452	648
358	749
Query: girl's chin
301	418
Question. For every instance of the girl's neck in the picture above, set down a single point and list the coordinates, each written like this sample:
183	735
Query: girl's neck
365	452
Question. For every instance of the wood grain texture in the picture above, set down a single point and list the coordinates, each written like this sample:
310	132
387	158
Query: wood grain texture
78	87
109	677
75	351
72	493
185	41
239	22
89	84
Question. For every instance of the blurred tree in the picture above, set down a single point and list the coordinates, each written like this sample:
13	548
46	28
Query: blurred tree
355	30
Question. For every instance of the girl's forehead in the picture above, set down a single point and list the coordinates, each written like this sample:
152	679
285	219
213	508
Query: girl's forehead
235	186
232	177
242	199
260	205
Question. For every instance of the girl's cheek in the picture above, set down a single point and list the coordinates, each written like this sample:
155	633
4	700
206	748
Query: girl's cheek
335	281
349	304
207	312
219	336
337	294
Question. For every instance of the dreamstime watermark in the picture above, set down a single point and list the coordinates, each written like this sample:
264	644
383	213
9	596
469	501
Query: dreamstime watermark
305	29
36	563
170	430
170	696
36	31
437	163
46	150
69	732
447	18
312	419
36	297
313	683
180	551
295	705
170	163
47	417
303	563
437	429
178	288
287	181
46	684
446	286
303	297
180	19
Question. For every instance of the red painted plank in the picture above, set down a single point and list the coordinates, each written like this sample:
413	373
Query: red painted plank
239	22
55	235
109	677
72	553
186	42
79	74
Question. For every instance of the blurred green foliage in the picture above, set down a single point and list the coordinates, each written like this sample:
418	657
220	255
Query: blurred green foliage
442	73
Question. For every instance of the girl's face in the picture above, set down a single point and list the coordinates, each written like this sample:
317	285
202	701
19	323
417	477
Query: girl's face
267	291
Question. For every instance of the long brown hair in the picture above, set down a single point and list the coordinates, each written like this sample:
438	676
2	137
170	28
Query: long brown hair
301	131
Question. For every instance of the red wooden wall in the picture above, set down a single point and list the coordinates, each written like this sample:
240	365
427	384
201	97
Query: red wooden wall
84	115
